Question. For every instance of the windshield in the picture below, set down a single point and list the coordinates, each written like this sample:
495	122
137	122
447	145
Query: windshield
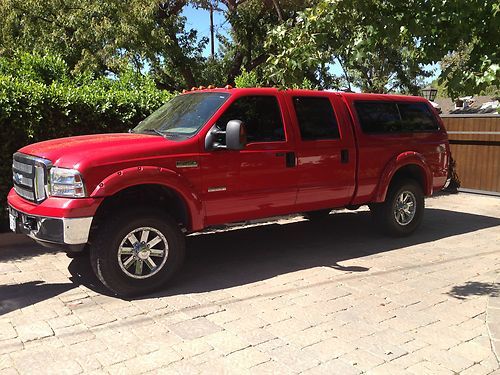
184	115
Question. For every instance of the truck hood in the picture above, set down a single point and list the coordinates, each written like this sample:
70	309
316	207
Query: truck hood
85	151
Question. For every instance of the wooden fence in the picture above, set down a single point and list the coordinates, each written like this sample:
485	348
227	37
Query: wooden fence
475	146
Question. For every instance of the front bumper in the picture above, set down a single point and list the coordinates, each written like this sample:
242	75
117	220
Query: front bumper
70	234
61	223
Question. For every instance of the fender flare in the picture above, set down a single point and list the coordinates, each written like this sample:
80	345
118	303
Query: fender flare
402	160
149	175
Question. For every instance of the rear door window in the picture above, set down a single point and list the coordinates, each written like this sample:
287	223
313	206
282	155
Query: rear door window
316	118
378	117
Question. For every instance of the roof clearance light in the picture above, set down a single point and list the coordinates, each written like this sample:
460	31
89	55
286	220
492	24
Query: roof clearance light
211	86
228	87
185	91
201	88
194	88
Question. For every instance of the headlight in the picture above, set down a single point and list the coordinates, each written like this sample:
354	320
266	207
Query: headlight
66	183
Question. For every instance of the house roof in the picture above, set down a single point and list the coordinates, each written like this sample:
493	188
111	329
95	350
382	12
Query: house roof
448	106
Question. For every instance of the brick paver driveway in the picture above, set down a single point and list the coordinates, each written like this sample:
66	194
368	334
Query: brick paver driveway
288	296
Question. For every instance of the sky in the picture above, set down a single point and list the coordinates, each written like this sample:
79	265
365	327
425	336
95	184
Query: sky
199	19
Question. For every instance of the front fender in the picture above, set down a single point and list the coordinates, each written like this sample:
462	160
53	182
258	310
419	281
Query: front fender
147	175
402	160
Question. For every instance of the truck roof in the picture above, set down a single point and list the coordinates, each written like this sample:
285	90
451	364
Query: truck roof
352	96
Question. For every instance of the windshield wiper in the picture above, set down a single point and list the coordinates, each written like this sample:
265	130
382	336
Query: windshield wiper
155	131
175	135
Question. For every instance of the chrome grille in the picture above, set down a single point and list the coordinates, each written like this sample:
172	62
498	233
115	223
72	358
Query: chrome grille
22	167
26	194
21	179
29	174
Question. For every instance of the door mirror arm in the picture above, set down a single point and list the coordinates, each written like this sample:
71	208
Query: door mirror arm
213	137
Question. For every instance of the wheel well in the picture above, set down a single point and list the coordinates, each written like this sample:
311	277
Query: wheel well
157	196
411	171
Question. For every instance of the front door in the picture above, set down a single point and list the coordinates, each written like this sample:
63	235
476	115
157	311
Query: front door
260	180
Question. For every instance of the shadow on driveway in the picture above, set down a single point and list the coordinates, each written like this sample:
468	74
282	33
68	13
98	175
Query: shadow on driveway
240	256
475	288
17	296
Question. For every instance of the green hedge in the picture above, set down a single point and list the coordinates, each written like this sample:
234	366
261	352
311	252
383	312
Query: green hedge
39	100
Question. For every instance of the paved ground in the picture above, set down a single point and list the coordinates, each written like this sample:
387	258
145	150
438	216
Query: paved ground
285	297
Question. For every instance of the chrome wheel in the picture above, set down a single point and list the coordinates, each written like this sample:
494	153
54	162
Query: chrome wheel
405	207
143	253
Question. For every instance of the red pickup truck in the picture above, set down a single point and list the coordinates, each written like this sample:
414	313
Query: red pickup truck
215	156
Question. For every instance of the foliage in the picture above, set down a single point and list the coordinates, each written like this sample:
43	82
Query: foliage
109	36
374	53
384	45
33	67
40	100
380	45
104	37
475	26
247	79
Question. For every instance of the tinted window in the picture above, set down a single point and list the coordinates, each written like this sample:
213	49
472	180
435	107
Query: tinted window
416	117
316	118
384	117
261	115
378	117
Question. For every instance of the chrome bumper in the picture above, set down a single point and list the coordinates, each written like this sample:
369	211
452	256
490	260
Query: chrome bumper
51	230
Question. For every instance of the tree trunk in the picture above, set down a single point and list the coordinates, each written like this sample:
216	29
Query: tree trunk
235	67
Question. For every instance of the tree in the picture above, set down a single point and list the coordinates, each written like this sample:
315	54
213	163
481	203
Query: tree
384	45
364	37
107	37
381	45
455	29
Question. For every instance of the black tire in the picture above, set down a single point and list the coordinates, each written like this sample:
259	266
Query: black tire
317	215
388	218
78	254
110	267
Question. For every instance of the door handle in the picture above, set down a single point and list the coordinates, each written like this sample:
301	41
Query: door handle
344	156
290	160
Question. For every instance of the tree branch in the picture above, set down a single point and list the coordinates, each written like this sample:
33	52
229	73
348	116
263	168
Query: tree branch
256	62
235	67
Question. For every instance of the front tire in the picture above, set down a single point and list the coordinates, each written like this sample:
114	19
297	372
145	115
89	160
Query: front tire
403	210
138	251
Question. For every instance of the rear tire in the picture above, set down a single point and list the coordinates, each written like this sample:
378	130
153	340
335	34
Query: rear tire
403	210
137	251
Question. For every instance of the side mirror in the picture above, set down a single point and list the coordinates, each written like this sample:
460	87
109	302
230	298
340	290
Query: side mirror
236	135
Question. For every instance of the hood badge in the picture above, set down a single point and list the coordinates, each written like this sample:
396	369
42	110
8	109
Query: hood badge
18	178
216	188
186	164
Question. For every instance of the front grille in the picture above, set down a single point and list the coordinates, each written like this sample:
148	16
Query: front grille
26	194
29	174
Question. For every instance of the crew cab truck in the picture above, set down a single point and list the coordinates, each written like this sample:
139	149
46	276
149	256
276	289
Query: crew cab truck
214	156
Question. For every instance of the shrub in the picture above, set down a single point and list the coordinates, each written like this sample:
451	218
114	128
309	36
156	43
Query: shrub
39	100
247	79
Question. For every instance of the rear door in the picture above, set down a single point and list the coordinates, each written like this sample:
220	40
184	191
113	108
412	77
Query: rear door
326	154
262	176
